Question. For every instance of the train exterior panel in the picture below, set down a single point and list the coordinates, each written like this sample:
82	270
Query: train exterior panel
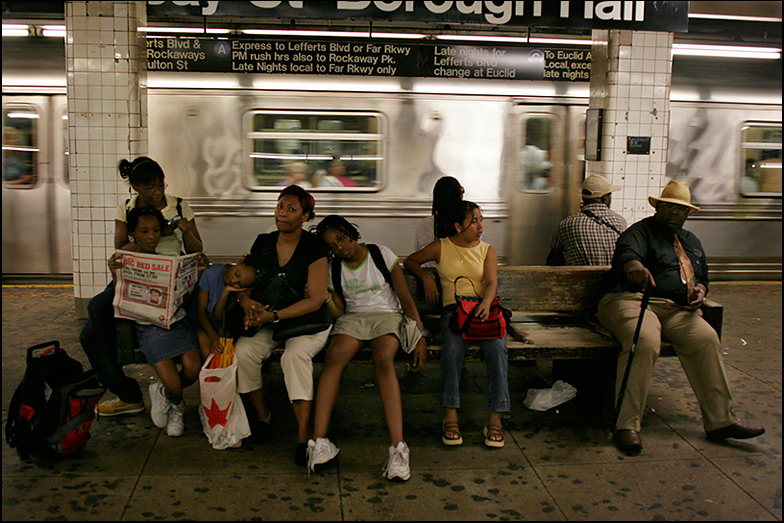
226	141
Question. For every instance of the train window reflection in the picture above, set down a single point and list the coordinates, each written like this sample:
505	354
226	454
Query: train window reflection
323	150
20	146
534	157
760	173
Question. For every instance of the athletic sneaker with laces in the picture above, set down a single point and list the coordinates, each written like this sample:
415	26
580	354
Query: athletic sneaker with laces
175	426
320	452
397	465
160	405
118	407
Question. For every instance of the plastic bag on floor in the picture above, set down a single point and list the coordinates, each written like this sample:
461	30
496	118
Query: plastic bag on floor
544	399
222	412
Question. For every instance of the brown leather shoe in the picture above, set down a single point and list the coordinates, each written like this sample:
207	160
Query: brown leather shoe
736	431
628	441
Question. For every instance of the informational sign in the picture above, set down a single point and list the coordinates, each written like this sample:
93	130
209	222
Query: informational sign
640	16
638	145
366	58
151	288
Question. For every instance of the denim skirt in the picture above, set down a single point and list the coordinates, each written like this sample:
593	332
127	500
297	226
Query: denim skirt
158	344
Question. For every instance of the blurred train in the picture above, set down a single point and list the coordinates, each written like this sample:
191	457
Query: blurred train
228	142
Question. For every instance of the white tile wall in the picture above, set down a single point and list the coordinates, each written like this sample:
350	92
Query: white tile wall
106	79
637	66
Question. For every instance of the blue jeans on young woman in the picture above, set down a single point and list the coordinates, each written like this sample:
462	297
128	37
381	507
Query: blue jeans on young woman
453	349
99	341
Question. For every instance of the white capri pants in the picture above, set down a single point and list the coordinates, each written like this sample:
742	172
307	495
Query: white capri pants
296	361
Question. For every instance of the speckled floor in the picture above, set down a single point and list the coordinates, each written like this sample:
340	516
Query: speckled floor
556	465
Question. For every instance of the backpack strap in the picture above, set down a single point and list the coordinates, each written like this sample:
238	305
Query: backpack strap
179	207
378	260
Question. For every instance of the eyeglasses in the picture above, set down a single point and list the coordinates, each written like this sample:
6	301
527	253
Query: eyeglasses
673	208
155	187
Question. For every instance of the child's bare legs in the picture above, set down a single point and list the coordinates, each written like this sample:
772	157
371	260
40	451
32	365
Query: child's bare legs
340	351
383	350
175	381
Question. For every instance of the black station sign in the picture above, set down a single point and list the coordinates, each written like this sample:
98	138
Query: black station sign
366	58
635	15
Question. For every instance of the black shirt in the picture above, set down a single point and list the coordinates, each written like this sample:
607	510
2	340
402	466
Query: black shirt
309	249
650	243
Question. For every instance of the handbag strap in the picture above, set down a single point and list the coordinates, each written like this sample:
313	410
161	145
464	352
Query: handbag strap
469	281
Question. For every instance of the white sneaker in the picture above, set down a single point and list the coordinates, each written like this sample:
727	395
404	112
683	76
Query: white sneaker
320	452
175	426
397	463
160	405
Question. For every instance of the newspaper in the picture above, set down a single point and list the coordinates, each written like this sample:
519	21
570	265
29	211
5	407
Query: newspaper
151	288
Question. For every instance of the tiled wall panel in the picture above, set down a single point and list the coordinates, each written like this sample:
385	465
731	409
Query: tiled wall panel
106	84
631	78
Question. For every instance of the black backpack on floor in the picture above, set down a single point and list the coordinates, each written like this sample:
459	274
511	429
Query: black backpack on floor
52	409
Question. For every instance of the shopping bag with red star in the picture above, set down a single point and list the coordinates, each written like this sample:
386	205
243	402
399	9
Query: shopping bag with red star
222	413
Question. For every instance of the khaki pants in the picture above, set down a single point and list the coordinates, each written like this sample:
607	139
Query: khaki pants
696	344
296	361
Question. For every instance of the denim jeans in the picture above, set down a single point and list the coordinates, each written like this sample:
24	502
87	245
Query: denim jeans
99	341
453	349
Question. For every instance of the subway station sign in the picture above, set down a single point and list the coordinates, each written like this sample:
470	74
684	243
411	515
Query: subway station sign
635	15
366	58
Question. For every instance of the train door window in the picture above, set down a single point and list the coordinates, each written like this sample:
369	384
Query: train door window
325	150
760	173
535	154
20	146
64	123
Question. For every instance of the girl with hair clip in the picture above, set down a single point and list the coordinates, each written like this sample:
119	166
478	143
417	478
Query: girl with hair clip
464	254
299	259
163	348
145	176
369	309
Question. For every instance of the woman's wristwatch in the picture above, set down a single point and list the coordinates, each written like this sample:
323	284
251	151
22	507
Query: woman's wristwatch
275	317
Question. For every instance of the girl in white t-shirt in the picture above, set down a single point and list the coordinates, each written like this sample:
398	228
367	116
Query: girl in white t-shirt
372	311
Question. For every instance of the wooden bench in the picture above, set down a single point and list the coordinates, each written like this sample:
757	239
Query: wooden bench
553	317
553	313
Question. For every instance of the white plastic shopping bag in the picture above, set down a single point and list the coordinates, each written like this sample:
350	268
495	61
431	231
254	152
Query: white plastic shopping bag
222	413
544	399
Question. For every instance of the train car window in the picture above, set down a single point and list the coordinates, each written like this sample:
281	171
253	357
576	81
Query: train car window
536	167
20	146
66	173
760	173
324	150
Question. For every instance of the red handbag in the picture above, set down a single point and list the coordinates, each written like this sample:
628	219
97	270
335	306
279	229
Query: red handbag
466	324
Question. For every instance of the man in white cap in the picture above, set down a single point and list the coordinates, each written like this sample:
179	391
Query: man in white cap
657	252
588	237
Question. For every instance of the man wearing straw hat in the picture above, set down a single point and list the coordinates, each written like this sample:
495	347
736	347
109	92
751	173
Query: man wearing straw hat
659	253
588	237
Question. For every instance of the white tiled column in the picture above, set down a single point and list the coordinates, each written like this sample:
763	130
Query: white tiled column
631	76
107	115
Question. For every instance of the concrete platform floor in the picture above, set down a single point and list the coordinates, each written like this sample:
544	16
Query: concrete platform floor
556	465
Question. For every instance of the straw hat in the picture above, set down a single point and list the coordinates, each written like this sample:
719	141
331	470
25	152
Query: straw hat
596	186
677	193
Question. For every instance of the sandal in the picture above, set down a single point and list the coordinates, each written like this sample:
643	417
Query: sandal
495	431
454	428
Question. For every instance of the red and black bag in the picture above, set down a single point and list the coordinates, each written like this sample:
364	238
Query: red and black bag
466	324
52	409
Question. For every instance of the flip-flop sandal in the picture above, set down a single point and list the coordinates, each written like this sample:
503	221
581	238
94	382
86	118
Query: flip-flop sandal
493	429
454	428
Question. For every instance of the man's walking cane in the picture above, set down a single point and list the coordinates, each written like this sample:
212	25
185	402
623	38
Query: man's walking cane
646	297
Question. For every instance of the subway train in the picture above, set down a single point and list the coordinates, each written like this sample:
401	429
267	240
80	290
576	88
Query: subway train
371	150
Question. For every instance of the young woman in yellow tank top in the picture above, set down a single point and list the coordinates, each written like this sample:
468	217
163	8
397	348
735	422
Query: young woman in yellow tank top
465	254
